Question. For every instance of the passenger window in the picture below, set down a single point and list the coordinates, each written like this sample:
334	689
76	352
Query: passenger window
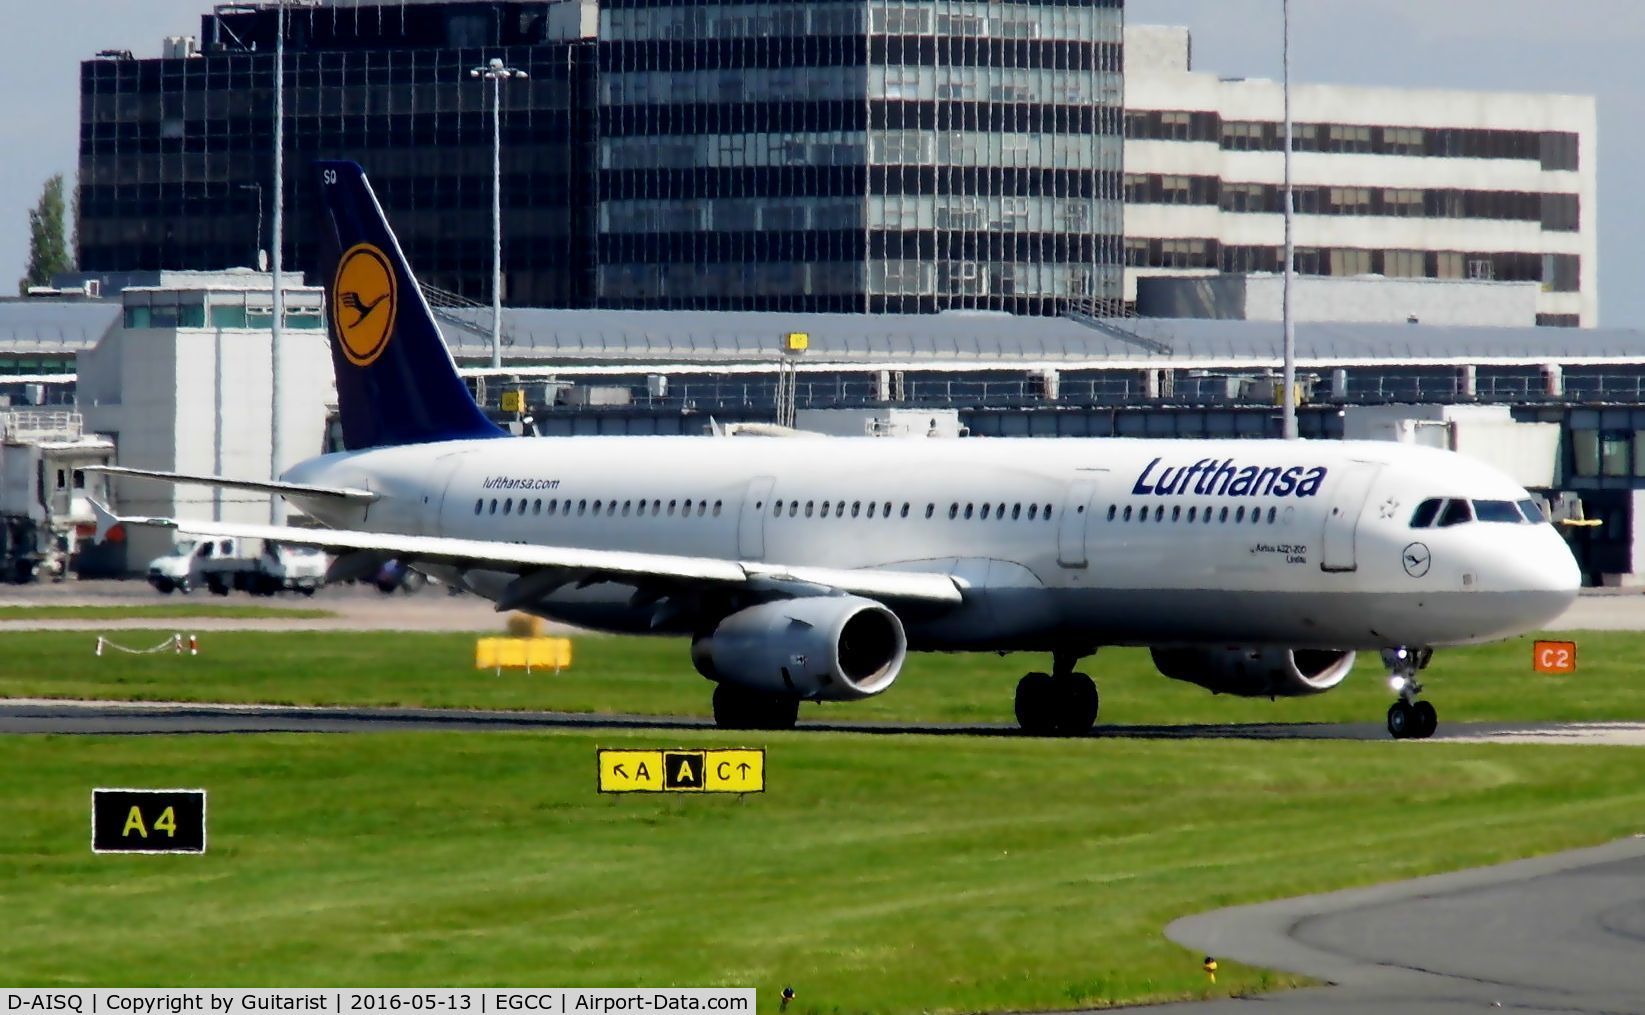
1111	510
1206	515
553	507
1425	513
508	506
1272	514
1159	513
1034	510
793	508
1532	513
984	515
1176	512
953	511
597	505
871	507
1191	512
716	508
610	508
671	505
1456	513
1222	516
825	507
1142	514
582	505
999	512
856	506
1047	512
968	512
1127	515
478	505
808	506
1497	511
1016	512
776	509
537	506
625	508
1239	513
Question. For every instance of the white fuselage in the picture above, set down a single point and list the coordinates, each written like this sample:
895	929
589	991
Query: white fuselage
1060	543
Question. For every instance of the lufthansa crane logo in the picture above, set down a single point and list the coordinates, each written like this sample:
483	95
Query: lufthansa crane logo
1416	559
364	298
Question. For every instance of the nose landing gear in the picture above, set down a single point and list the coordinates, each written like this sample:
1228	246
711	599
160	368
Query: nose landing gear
1408	718
1060	703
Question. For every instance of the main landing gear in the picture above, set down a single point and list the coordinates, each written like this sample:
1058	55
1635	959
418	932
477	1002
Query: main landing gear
1408	718
1060	703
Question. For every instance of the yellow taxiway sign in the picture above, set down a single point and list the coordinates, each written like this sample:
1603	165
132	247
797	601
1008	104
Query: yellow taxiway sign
719	770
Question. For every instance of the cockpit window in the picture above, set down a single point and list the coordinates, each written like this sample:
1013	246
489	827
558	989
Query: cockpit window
1532	513
1456	512
1498	511
1425	512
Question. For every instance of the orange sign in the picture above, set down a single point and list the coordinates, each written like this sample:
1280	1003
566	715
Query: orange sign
1554	657
363	303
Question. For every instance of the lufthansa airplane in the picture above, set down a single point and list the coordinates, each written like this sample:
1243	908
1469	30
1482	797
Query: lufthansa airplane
807	568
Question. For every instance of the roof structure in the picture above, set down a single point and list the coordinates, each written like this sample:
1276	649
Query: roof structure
55	327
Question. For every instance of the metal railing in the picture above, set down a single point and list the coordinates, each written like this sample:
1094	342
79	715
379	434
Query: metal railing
41	424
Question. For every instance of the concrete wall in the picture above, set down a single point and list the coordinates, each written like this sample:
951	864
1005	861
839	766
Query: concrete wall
1359	298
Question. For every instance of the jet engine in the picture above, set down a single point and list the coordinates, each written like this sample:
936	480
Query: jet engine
826	648
1256	672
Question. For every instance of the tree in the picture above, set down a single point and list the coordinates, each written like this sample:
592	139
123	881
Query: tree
49	252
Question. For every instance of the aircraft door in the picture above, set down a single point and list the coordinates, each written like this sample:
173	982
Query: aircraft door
1076	513
751	520
1342	517
436	518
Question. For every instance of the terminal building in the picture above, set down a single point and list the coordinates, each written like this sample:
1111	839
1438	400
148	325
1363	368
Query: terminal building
1394	182
840	156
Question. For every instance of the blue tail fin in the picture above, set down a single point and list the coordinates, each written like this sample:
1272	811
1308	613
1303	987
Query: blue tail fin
396	380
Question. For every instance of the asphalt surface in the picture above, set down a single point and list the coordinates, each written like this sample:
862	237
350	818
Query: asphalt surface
1562	933
21	715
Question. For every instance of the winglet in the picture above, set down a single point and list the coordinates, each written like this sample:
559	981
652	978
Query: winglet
106	520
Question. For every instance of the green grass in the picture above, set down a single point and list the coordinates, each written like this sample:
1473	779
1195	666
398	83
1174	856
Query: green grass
654	676
905	874
163	611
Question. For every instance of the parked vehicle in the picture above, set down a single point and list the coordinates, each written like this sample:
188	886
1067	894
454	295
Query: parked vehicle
221	566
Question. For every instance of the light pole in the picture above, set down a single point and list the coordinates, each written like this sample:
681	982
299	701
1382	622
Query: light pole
257	255
1288	373
495	71
276	447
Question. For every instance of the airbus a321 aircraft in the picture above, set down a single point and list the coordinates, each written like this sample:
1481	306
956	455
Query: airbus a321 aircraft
807	568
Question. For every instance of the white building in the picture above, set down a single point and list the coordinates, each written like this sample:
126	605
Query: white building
1405	183
182	384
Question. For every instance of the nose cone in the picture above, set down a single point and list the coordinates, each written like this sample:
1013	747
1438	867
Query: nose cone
1545	577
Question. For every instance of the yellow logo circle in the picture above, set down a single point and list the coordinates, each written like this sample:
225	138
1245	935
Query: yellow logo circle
364	298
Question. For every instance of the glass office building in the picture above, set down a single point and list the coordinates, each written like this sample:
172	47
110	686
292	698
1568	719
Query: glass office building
871	155
176	153
833	155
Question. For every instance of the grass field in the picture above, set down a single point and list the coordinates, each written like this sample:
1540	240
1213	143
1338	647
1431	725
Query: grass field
164	611
654	676
903	874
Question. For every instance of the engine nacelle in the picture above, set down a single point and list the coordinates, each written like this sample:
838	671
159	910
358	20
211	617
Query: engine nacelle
826	648
1256	672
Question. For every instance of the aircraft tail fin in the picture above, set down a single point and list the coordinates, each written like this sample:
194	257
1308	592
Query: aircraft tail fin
396	380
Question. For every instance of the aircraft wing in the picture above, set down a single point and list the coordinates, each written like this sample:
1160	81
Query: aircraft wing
260	485
545	568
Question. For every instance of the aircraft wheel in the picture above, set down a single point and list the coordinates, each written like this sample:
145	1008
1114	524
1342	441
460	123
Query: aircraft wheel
217	586
1076	710
1401	720
1425	720
164	586
1036	704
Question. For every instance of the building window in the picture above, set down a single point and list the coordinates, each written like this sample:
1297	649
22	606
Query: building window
1404	263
